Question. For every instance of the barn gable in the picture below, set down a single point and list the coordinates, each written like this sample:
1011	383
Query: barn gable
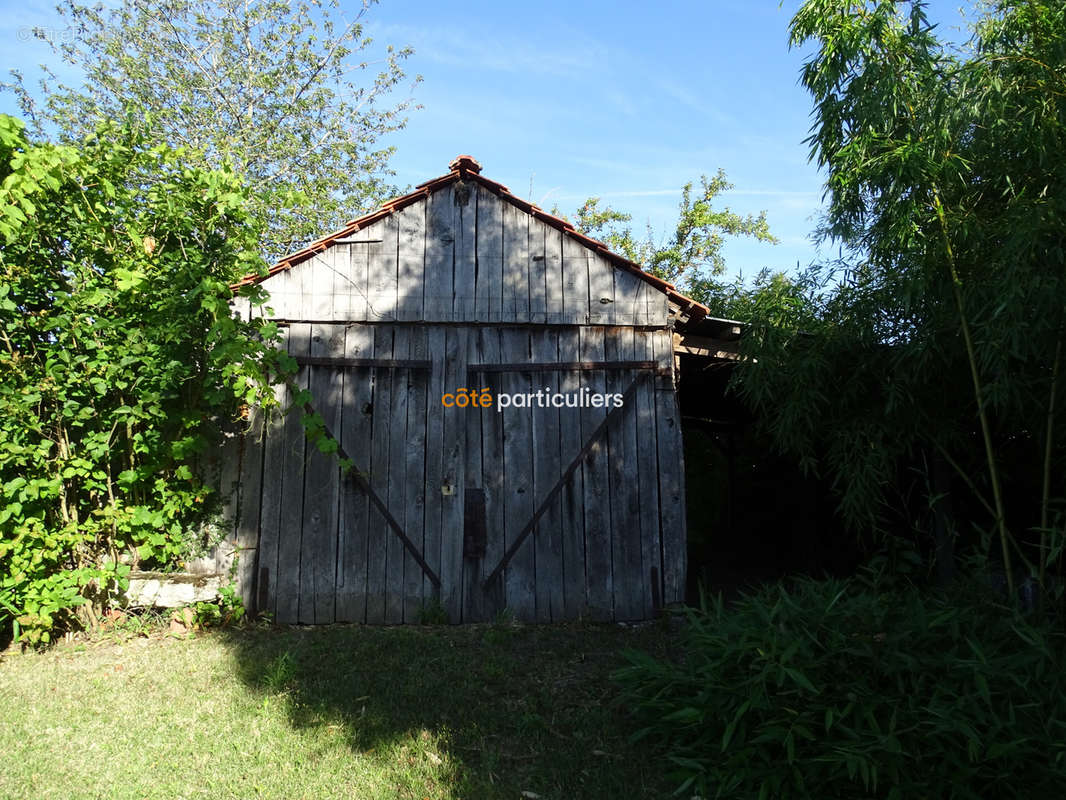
462	248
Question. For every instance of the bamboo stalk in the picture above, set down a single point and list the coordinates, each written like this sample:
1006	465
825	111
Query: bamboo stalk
971	357
1046	490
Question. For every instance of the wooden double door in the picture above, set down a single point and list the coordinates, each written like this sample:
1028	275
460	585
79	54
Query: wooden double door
547	503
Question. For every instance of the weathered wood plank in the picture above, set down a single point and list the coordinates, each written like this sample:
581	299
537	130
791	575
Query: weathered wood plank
547	464
453	476
654	307
658	307
358	280
671	474
489	291
553	274
601	290
598	517
411	269
382	271
339	256
280	305
396	499
250	506
440	257
465	222
292	492
632	554
322	280
616	455
515	265
626	497
492	475
434	456
356	435
627	288
378	530
291	282
318	548
473	594
303	283
575	282
274	475
641	298
575	602
229	474
520	576
538	299
414	487
648	470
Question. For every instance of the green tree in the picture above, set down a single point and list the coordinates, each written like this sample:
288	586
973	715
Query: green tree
770	303
284	93
692	253
118	358
940	327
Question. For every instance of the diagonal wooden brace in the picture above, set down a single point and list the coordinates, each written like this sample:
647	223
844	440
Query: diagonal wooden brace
601	429
357	477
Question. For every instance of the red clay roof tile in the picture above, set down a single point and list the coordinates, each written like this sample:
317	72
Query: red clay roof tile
465	163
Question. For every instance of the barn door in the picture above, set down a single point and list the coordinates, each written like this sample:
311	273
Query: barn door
562	524
383	569
554	512
351	547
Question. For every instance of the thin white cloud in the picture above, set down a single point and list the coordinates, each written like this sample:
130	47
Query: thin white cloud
628	193
775	193
783	194
33	13
456	46
701	104
542	202
622	102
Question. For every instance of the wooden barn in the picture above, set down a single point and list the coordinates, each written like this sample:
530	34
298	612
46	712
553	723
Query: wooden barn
562	499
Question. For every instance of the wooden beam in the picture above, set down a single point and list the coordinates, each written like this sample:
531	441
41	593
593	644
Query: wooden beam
284	322
385	363
556	366
707	347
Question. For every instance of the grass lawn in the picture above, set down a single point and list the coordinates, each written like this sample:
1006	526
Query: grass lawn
497	711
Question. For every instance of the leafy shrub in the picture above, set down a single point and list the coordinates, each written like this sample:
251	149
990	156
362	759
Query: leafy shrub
831	690
228	609
119	355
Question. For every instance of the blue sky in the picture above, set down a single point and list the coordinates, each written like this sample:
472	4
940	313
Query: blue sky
563	100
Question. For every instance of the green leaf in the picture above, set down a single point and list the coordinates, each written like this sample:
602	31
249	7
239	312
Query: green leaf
800	679
127	477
